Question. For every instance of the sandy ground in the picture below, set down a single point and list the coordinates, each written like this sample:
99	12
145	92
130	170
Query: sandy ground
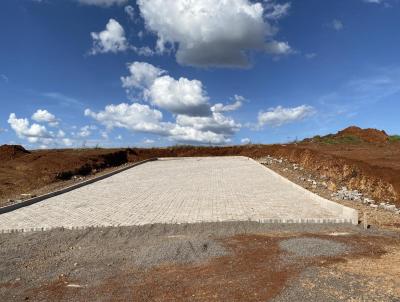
235	261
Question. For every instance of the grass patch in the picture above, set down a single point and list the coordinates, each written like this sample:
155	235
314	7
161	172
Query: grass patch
334	140
394	138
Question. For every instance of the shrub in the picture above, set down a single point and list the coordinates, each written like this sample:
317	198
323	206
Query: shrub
115	159
84	170
65	175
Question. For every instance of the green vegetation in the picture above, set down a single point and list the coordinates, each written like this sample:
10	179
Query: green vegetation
394	138
332	140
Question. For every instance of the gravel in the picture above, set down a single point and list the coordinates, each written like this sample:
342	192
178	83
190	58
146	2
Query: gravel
313	247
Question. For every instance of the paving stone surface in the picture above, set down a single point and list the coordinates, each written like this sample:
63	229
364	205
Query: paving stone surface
178	190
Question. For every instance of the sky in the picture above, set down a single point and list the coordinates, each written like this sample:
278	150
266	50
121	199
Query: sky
118	73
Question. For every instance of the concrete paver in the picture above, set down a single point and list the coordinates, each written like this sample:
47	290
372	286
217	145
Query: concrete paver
180	190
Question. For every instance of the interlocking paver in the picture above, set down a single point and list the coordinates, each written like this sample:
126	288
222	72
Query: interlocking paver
181	190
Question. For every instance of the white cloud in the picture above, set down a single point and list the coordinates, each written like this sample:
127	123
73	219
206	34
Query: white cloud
311	55
112	39
216	123
279	116
182	96
43	116
23	129
136	117
142	75
130	11
86	131
104	3
275	11
212	33
37	134
337	25
216	129
238	102
144	51
196	121
148	141
245	141
278	48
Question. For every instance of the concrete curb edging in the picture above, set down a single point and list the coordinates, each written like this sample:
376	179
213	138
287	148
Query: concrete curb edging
350	215
37	199
303	221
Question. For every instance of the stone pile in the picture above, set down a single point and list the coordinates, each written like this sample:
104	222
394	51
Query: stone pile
355	195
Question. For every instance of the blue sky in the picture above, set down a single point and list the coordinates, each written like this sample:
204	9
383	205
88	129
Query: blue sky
164	72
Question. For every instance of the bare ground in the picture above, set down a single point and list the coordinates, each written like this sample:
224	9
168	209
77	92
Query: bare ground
238	261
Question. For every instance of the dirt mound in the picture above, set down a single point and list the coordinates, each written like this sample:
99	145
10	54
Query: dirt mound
367	135
8	152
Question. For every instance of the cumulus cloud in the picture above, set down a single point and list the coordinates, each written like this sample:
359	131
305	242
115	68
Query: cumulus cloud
142	75
279	116
182	96
86	131
214	129
213	33
112	39
136	117
43	116
196	120
23	129
104	3
36	133
278	48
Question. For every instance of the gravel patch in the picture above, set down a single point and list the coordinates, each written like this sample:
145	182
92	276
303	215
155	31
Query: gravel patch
313	247
175	250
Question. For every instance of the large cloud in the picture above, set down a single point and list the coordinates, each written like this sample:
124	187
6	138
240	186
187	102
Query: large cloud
216	129
182	96
279	116
196	120
212	32
112	39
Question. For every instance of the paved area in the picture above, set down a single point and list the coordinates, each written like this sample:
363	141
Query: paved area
180	190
